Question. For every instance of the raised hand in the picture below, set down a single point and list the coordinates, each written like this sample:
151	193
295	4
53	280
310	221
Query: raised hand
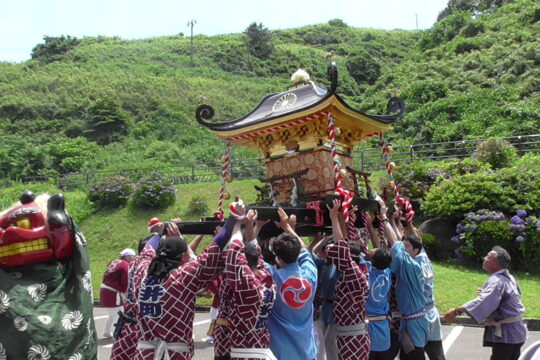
334	210
172	229
217	230
285	222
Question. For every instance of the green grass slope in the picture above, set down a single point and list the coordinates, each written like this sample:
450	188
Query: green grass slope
109	103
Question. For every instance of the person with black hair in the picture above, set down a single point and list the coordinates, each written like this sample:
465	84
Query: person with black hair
353	339
414	327
166	282
113	288
253	292
498	306
377	304
328	276
291	321
127	333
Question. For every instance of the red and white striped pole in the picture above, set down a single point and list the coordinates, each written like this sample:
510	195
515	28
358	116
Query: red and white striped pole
346	194
219	212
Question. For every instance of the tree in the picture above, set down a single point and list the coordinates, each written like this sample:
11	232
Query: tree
475	7
54	49
363	67
107	122
258	40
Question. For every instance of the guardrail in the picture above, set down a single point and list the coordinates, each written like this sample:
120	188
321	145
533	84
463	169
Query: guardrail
371	159
365	160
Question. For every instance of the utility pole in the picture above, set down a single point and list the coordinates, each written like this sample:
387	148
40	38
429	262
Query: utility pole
192	23
416	15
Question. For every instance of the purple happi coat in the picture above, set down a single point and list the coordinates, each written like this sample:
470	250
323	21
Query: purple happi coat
500	299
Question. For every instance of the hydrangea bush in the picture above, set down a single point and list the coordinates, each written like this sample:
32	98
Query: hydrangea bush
154	191
483	229
526	230
111	191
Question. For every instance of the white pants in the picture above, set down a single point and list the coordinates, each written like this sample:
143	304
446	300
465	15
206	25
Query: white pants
111	320
213	313
330	342
319	334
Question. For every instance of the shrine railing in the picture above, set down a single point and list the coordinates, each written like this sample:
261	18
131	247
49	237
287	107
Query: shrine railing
364	160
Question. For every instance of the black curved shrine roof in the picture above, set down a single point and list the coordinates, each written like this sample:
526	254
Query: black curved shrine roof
307	96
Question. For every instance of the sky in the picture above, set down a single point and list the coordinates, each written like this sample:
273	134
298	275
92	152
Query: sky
23	23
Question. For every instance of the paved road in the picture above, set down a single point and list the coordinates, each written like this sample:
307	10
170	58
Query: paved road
463	343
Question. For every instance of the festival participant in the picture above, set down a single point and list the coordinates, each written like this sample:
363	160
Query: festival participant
498	306
127	332
220	330
414	326
253	291
295	274
166	283
45	283
327	277
211	291
112	291
350	295
433	348
377	304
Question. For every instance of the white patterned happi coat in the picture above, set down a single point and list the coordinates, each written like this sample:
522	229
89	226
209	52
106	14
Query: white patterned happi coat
166	309
252	300
349	301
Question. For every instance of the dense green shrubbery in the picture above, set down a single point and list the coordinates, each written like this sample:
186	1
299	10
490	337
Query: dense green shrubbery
499	153
470	188
197	206
415	179
508	189
461	194
111	191
154	191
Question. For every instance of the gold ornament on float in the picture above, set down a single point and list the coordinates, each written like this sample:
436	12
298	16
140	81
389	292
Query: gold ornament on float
337	131
228	179
392	166
343	172
226	195
389	149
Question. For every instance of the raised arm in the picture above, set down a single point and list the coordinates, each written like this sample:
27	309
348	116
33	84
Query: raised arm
375	241
287	224
388	231
334	217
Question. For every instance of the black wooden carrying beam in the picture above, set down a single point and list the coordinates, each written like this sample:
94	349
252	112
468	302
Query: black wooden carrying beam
305	219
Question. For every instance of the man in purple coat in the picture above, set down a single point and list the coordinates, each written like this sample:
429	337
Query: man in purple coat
499	307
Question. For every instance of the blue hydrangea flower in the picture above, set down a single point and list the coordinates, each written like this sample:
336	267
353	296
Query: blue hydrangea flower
517	227
520	239
516	220
455	239
521	213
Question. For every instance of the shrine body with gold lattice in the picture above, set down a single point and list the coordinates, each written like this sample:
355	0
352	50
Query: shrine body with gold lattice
291	129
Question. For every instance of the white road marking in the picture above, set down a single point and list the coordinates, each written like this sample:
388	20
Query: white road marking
101	317
447	343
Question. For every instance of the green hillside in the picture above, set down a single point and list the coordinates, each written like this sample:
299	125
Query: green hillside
108	103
